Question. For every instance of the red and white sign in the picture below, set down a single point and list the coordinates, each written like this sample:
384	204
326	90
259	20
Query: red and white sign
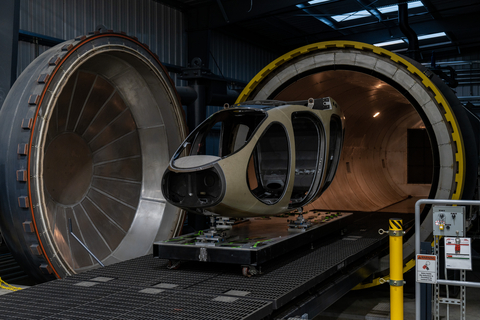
458	253
426	265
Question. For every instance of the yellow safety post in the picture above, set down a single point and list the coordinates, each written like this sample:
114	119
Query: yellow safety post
396	268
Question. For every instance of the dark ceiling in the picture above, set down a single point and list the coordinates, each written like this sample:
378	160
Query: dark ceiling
282	25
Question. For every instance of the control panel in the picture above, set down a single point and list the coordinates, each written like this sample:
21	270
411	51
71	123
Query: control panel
448	221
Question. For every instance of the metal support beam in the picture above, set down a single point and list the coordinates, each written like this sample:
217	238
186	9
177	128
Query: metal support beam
9	24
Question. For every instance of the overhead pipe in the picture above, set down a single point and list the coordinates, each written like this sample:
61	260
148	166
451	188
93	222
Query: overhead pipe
413	48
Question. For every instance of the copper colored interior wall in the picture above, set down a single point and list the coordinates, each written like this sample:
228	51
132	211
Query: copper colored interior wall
372	173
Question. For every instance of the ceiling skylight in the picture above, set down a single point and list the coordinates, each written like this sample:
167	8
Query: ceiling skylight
351	16
317	1
424	37
432	35
394	8
365	13
388	43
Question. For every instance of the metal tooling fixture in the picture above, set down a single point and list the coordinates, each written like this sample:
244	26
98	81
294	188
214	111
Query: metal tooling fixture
253	242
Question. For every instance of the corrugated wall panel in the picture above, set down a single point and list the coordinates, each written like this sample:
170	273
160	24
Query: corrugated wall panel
159	26
237	59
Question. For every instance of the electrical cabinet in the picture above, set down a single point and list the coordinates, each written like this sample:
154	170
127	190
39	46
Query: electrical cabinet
448	221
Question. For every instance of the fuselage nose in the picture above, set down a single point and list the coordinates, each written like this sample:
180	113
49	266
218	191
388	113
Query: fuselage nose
193	190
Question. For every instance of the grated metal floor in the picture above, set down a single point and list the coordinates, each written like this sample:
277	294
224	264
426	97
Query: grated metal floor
143	288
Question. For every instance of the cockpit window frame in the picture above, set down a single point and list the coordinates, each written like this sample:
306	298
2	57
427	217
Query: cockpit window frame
185	147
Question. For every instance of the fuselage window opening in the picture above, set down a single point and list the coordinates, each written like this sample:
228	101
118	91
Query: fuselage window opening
224	133
307	152
269	165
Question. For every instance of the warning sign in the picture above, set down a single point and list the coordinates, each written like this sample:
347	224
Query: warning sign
426	268
458	253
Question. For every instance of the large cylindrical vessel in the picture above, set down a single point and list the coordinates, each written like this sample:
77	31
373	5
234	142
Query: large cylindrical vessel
406	134
86	132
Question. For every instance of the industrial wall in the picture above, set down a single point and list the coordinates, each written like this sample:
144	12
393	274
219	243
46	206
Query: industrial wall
162	28
159	26
237	59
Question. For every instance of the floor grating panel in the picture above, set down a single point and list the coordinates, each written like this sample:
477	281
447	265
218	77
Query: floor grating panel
143	288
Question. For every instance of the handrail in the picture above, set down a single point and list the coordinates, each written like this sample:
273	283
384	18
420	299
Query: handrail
417	245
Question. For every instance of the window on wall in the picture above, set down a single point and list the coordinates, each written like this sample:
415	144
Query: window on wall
419	157
269	165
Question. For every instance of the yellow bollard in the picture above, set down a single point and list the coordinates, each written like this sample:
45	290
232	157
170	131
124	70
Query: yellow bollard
396	269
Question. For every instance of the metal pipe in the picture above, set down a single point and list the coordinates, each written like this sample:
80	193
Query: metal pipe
459	283
396	268
222	10
468	97
417	239
413	47
82	244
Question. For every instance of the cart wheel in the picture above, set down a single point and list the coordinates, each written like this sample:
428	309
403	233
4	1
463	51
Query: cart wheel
173	264
245	271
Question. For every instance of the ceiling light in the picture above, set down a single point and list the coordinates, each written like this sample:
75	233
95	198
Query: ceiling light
317	1
352	15
376	114
394	8
432	35
388	43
